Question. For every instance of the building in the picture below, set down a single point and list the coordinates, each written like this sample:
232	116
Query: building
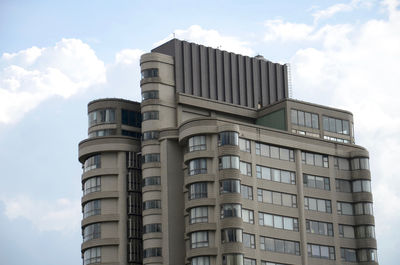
217	165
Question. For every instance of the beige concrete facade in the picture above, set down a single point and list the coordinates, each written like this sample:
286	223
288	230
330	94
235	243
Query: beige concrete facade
299	195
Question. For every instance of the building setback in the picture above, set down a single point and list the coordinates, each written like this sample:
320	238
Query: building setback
217	165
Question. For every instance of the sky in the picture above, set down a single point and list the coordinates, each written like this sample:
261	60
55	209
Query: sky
56	56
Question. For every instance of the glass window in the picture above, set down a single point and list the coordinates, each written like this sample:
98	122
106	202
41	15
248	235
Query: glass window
150	135
152	252
226	162
365	231
247	192
101	116
342	163
343	185
202	260
232	259
150	115
316	182
131	118
277	198
229	186
101	133
198	190
249	240
306	119
244	145
152	204
248	216
245	168
153	180
231	235
92	185
92	231
151	72
319	205
92	255
231	210
150	158
346	231
152	94
248	261
345	208
314	159
336	125
278	245
348	255
277	175
322	252
279	222
92	208
275	152
151	228
197	143
228	138
92	162
319	228
198	166
199	215
199	239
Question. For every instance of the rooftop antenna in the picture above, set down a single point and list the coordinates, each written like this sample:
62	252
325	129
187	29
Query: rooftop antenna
173	34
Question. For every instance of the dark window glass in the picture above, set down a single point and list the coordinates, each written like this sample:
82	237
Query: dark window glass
151	228
150	115
131	118
228	138
152	72
150	135
148	158
153	94
152	252
154	180
198	190
198	166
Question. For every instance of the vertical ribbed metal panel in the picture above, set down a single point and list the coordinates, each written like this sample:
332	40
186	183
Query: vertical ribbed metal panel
256	81
196	69
220	75
249	82
227	77
279	82
212	73
204	66
179	77
187	68
242	80
272	82
264	83
285	82
235	79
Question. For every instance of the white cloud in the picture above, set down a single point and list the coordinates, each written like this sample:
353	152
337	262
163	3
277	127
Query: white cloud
277	29
211	38
61	215
31	76
341	7
128	56
355	67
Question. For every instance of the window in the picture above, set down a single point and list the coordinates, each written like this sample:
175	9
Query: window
198	166
135	180
322	252
319	228
100	133
92	162
244	145
202	260
245	168
305	119
364	255
360	163
275	152
316	182
150	135
278	221
229	186
131	118
135	228
91	232
151	158
226	162
134	201
346	231
152	204
228	138
231	210
91	208
150	115
198	215
231	235
151	228
336	125
363	208
249	240
247	192
198	190
348	254
92	185
314	159
342	163
248	216
132	134
361	186
277	198
318	205
336	139
154	180
152	252
151	72
152	94
279	245
199	239
101	116
274	174
269	263
197	143
345	208
232	259
365	231
248	261
343	185
92	255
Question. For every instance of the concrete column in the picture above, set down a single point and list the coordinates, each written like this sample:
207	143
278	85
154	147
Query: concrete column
122	209
300	204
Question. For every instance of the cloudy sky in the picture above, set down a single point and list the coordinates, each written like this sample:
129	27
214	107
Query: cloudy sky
56	56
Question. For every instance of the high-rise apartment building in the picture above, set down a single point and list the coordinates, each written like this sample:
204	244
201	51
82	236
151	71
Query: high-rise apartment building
217	165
